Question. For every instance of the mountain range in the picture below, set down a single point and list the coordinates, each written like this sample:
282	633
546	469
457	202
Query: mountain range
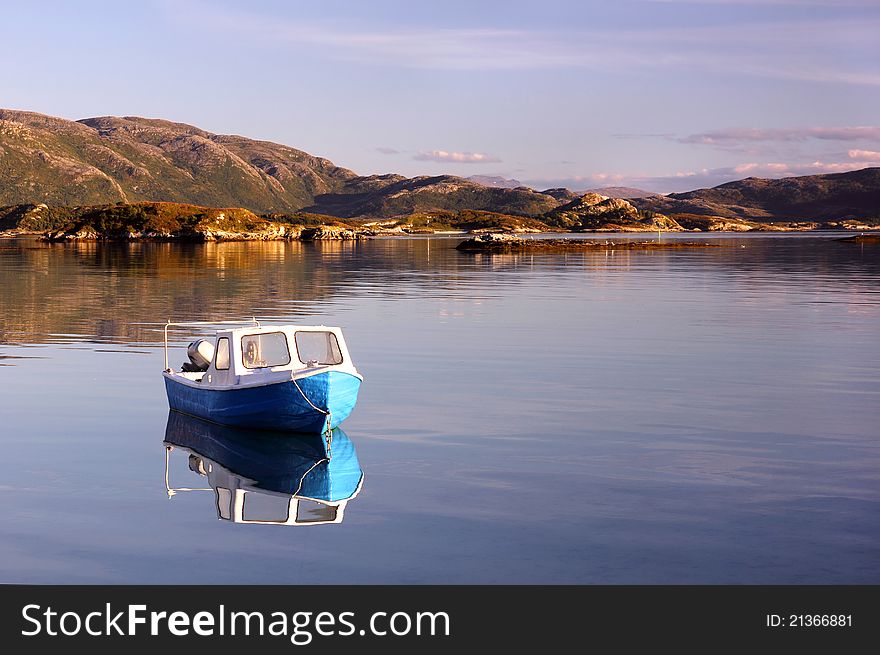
108	160
821	198
54	161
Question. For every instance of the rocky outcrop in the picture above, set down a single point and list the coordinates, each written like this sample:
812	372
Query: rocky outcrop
81	234
328	233
698	223
490	242
594	212
176	222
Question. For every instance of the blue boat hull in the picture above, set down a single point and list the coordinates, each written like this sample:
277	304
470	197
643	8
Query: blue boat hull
279	406
290	464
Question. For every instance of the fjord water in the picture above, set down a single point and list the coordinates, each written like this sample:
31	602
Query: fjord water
704	415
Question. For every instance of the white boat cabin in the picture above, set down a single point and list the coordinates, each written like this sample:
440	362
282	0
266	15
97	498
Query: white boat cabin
263	354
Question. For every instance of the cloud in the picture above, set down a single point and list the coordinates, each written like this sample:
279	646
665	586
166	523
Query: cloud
710	177
387	151
455	157
579	182
794	48
809	168
734	136
868	155
715	176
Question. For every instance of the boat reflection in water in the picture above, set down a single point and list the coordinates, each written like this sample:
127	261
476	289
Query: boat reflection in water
266	477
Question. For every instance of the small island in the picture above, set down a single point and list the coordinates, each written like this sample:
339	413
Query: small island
506	243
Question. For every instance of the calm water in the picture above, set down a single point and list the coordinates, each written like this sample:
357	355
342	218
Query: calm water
690	416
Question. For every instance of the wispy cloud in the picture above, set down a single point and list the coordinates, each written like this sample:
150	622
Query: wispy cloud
387	151
709	177
461	48
773	170
786	49
740	135
455	157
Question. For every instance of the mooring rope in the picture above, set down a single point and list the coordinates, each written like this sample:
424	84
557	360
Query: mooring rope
305	475
326	412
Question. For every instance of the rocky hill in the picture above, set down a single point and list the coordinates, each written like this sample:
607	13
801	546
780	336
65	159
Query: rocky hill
822	198
104	160
395	195
593	211
77	165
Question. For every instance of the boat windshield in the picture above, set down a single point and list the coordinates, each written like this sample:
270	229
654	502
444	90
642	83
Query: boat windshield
264	350
318	348
221	358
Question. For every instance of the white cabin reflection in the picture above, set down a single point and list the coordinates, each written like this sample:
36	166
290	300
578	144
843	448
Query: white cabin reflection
266	478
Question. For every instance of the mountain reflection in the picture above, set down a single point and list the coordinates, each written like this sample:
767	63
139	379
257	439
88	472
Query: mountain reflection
265	477
123	292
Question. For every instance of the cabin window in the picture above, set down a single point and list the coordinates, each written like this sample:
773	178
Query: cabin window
318	348
263	508
224	502
264	350
221	360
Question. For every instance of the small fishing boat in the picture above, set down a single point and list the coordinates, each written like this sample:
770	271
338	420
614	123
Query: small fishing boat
265	477
291	377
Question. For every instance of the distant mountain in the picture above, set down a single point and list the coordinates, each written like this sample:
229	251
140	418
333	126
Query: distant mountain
495	181
835	196
624	192
395	195
101	161
94	161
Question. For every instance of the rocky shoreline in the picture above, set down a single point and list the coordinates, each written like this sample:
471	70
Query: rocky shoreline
270	233
162	221
478	240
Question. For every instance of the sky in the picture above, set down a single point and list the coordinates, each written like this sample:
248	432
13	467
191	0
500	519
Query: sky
664	95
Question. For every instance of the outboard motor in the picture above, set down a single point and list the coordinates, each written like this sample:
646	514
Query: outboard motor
200	353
